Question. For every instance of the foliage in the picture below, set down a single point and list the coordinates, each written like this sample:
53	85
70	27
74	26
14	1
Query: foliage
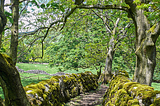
79	48
157	68
83	42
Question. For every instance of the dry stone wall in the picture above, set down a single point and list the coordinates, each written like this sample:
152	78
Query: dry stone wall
59	89
123	92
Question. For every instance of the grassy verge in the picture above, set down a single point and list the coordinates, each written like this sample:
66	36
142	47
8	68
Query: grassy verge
28	78
156	86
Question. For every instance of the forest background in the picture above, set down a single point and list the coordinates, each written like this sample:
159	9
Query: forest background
84	41
71	36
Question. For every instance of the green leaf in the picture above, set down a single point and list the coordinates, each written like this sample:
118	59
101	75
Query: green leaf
2	50
48	4
43	6
10	19
7	14
62	9
54	5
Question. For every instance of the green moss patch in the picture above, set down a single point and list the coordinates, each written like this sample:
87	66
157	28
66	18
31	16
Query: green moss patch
123	92
59	89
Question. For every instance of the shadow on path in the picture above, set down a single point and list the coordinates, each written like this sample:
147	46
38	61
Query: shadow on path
91	98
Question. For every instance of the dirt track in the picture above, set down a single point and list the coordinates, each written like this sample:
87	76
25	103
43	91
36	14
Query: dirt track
93	98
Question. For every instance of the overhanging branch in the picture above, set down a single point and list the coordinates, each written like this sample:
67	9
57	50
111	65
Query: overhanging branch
106	25
64	19
12	3
103	7
31	32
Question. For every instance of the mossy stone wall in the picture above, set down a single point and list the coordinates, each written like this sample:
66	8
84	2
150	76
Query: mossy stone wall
123	92
59	89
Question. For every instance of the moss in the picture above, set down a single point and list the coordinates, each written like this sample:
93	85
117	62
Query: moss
59	89
133	102
152	29
156	102
8	60
123	92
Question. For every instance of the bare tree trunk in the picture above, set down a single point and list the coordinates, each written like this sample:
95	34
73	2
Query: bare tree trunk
109	59
14	31
146	37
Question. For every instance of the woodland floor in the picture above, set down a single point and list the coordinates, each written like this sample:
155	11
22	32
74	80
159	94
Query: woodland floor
92	98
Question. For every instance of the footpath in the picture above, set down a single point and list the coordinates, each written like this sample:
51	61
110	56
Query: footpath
92	98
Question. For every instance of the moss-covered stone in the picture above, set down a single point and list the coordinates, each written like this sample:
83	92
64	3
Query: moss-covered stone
59	89
123	92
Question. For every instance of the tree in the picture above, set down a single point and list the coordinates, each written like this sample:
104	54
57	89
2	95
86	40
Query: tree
146	37
14	30
116	30
146	34
1	21
83	45
11	84
9	76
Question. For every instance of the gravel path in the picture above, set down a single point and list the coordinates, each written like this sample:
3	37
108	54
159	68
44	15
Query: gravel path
40	72
93	98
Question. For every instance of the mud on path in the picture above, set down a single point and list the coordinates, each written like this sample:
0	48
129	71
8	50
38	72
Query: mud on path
92	98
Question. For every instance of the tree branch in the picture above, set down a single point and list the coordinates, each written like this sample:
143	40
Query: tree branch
24	7
103	7
64	20
30	45
155	31
106	25
31	32
12	3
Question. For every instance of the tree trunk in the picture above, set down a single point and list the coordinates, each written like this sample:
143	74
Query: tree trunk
13	89
109	59
0	40
9	76
110	54
145	50
2	9
3	85
14	31
3	19
146	37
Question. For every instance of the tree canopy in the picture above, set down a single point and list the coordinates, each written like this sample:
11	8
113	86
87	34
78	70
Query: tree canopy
121	34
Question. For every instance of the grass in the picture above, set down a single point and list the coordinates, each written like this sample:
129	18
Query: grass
156	86
28	78
44	67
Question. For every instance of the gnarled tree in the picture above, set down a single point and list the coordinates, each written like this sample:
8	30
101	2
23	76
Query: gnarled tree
9	76
146	36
